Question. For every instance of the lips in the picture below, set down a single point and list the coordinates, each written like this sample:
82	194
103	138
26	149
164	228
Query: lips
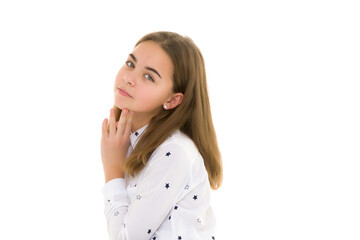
124	93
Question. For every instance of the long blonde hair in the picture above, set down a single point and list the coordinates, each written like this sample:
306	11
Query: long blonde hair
192	116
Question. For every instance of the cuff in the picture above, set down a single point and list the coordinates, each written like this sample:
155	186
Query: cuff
115	191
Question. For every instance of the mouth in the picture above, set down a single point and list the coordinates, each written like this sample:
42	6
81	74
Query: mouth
124	93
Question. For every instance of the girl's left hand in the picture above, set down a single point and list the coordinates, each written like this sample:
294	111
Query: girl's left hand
115	144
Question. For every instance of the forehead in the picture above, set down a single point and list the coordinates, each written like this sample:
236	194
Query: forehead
150	54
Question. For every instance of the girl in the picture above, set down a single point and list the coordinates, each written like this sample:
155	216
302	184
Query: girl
159	149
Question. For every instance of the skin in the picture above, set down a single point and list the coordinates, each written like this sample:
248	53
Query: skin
143	95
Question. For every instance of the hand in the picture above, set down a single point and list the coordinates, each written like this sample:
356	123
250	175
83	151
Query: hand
115	143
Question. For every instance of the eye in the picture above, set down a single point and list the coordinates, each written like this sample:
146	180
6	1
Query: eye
149	77
130	64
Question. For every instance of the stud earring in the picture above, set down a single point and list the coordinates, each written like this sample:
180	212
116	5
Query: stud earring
165	107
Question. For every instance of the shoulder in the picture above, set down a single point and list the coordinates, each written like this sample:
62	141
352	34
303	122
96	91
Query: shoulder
179	146
184	143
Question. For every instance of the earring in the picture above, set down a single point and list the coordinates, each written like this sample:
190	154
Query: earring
165	107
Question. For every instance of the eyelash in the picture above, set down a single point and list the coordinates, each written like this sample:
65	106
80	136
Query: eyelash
150	77
130	64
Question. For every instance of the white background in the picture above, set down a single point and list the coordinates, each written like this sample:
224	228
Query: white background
283	79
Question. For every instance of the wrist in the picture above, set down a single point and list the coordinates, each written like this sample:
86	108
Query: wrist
112	173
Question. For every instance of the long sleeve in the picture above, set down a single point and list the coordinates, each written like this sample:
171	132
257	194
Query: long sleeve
116	204
161	185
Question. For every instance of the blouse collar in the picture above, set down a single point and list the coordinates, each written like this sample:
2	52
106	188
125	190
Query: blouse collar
134	136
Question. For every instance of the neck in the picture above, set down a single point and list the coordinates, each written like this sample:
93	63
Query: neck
139	121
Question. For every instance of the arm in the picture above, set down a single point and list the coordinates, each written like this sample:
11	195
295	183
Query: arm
164	179
114	145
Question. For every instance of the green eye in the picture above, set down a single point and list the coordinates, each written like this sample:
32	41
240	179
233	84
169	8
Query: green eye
149	77
129	64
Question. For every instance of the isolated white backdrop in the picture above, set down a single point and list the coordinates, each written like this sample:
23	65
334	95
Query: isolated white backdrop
283	80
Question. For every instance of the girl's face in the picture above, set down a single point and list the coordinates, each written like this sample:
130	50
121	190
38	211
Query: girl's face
144	83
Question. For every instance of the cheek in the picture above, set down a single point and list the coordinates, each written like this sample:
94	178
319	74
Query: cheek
119	76
151	98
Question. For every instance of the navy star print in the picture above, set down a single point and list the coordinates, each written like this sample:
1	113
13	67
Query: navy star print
176	164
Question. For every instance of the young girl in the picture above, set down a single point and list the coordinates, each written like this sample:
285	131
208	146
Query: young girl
159	149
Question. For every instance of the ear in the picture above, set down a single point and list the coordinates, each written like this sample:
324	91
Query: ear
174	101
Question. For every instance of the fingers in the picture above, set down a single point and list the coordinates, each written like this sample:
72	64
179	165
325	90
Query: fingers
122	121
104	128
112	122
121	127
125	121
128	124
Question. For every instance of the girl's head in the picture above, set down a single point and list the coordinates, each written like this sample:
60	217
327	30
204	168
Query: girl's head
164	83
144	84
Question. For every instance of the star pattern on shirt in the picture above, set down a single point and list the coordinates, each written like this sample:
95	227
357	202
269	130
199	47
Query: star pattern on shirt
197	199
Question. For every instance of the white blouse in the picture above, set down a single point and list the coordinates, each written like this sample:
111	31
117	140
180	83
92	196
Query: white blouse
168	199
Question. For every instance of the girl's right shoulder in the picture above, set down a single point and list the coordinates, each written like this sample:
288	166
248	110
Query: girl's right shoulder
182	144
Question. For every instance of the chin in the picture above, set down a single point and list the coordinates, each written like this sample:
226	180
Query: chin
122	106
119	103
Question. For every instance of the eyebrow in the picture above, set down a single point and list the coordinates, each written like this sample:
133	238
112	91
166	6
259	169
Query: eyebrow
133	57
148	68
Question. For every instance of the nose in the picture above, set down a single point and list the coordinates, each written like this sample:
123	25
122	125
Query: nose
129	78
